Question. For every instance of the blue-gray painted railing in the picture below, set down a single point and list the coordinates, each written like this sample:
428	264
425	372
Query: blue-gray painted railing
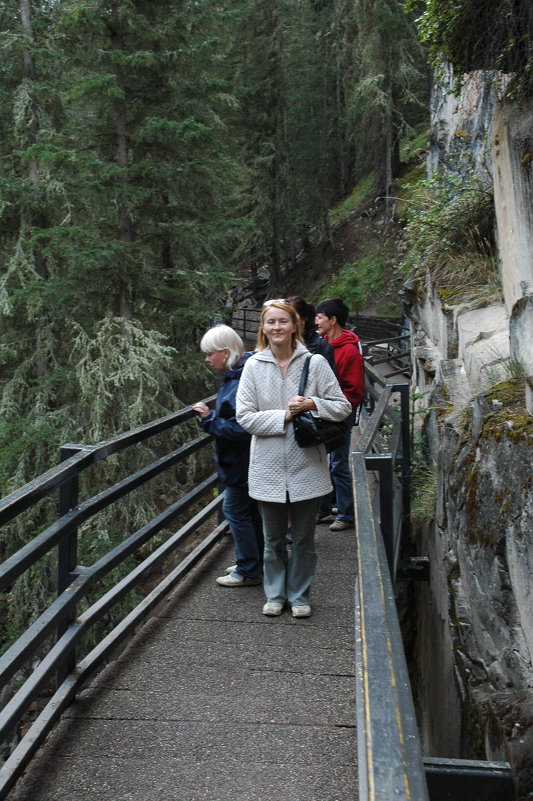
390	762
56	635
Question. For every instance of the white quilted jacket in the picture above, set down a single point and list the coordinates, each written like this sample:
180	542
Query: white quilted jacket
277	465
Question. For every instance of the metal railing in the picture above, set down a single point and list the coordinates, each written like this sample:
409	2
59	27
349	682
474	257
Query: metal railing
52	639
391	766
394	350
390	763
245	321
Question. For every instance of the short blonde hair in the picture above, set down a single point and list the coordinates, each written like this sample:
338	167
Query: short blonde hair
222	337
262	340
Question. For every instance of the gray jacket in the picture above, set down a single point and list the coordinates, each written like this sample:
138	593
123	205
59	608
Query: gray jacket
278	466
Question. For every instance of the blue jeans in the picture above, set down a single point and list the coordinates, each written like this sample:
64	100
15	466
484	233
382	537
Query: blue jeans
288	575
245	523
341	478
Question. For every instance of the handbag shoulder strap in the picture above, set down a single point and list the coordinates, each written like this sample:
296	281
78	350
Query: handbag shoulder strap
303	375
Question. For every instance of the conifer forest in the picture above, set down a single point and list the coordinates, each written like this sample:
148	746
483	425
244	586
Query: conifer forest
150	153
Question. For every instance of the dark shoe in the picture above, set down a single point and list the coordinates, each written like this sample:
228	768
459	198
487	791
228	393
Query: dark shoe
324	518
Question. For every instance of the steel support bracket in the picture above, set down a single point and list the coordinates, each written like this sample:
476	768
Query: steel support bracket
413	568
468	780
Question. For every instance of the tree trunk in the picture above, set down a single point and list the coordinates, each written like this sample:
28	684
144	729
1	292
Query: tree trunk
125	224
32	128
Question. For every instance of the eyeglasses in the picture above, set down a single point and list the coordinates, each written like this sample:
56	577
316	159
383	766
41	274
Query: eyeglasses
274	300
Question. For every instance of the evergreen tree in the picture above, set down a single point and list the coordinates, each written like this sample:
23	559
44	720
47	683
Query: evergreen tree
288	76
156	152
116	203
117	206
30	207
390	91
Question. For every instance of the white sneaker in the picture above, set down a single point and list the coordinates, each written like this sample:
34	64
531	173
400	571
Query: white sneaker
301	611
272	608
340	525
230	569
234	580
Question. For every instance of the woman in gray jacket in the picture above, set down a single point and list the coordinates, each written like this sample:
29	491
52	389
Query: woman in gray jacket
286	480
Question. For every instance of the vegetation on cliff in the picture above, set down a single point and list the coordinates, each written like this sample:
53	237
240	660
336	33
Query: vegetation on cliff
450	226
475	35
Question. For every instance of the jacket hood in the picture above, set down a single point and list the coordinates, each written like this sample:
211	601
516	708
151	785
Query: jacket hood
343	339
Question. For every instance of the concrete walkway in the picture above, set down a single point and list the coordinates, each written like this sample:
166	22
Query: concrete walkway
213	701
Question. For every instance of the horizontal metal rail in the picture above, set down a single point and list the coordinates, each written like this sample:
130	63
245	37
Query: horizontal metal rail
390	764
46	623
41	544
30	493
14	710
387	340
397	352
468	780
66	692
59	621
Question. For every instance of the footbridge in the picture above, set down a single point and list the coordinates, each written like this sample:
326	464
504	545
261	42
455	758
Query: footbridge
191	694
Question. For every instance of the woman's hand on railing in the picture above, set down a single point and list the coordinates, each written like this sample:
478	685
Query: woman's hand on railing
201	409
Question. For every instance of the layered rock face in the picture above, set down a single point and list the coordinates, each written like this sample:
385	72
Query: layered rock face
473	649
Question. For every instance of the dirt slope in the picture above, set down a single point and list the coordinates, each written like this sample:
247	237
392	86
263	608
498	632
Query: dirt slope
365	233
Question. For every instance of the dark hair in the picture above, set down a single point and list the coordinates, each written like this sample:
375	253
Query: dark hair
306	312
334	307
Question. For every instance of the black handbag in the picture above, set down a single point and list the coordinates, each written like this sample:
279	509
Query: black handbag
310	431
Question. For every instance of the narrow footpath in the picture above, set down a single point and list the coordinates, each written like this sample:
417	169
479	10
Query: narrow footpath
213	701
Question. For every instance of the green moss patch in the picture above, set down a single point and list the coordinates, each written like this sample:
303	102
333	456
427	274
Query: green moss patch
511	420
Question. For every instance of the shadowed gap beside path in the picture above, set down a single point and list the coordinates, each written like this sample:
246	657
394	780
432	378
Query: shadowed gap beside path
213	701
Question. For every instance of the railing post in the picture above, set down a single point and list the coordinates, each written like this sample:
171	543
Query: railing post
67	552
220	516
383	464
403	389
370	403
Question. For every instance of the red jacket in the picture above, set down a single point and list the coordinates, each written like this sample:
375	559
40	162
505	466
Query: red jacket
349	366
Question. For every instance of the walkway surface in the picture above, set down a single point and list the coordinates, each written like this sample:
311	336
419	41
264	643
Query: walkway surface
213	701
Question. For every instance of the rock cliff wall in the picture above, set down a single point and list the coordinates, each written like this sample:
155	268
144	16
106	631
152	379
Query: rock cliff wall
473	649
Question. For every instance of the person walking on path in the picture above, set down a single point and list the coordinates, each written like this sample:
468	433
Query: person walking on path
287	481
331	317
312	339
226	355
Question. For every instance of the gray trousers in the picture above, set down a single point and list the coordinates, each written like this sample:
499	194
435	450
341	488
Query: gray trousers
288	574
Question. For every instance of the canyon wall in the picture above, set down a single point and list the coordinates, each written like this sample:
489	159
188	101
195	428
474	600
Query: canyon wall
473	621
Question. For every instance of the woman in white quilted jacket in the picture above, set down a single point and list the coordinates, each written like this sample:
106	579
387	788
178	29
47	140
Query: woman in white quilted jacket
286	480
